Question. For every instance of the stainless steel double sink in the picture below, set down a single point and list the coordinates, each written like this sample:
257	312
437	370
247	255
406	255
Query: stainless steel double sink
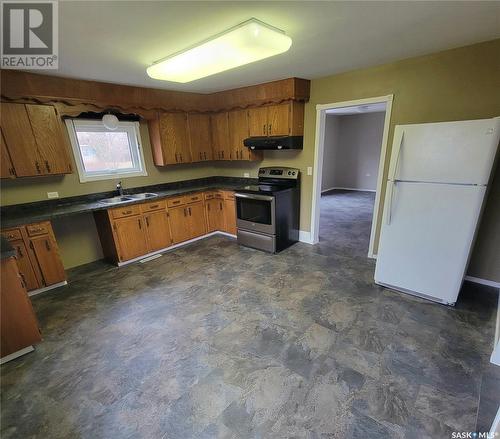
124	198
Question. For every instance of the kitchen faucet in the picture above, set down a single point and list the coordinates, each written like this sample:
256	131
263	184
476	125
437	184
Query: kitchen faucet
119	188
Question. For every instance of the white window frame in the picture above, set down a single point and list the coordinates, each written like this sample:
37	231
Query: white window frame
96	125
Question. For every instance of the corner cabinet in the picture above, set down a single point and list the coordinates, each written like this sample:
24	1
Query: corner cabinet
130	232
37	254
33	141
169	139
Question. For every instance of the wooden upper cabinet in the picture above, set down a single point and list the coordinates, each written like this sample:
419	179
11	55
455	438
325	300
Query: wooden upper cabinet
20	141
257	121
238	132
34	140
220	136
200	137
285	119
6	166
131	237
157	230
170	139
46	128
279	120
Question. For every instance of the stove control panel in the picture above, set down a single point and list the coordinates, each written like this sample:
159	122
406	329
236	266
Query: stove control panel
282	172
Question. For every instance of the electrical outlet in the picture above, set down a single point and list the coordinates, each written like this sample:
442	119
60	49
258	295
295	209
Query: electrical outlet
52	194
246	174
309	170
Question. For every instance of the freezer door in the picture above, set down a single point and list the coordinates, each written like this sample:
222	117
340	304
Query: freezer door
426	238
447	152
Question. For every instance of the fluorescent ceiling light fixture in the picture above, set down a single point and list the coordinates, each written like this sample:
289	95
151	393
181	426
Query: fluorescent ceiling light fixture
245	43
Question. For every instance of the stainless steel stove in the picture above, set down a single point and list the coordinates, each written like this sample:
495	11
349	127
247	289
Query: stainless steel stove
268	213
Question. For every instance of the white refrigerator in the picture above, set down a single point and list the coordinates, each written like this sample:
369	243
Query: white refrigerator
437	181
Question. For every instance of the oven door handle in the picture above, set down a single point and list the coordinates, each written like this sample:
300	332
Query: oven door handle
254	196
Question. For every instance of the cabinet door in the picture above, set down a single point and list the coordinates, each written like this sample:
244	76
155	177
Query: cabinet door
257	122
19	327
230	216
197	224
7	169
174	138
131	237
51	145
200	137
158	230
179	224
278	119
220	136
215	217
238	132
25	267
48	259
20	141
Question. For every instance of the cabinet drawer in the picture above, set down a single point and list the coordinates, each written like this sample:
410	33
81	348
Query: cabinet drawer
12	234
193	198
218	195
38	229
121	212
209	195
175	201
228	195
154	205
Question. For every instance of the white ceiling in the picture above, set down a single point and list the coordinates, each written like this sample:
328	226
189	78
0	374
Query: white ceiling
114	41
357	109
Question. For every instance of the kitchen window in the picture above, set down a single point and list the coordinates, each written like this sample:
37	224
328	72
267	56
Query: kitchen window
102	154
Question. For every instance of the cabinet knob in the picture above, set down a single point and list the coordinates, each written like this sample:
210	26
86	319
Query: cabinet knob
47	165
37	166
140	224
47	245
270	129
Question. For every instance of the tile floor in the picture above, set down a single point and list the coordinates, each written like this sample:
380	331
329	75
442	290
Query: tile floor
217	341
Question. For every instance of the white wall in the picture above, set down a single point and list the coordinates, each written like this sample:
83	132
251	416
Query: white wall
352	151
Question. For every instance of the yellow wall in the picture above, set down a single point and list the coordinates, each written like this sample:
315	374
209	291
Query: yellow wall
456	84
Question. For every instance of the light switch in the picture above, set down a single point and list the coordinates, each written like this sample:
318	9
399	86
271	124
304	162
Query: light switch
52	194
246	174
309	170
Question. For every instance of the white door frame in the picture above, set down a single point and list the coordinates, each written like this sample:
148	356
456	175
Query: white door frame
318	162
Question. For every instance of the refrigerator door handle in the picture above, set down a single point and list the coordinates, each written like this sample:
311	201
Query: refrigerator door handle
397	152
390	194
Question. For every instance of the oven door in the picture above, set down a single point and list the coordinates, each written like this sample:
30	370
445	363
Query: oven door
255	212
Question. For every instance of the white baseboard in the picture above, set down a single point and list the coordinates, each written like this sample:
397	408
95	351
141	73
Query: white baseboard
305	236
347	189
478	280
166	249
44	289
17	354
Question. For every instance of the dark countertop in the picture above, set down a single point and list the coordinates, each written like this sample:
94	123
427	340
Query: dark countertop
6	250
27	213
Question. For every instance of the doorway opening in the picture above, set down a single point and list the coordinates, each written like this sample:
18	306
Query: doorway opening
351	144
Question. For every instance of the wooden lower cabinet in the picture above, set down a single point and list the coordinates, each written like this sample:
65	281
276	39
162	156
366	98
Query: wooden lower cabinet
230	216
19	326
129	232
179	224
131	237
197	224
25	268
158	230
215	214
38	256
